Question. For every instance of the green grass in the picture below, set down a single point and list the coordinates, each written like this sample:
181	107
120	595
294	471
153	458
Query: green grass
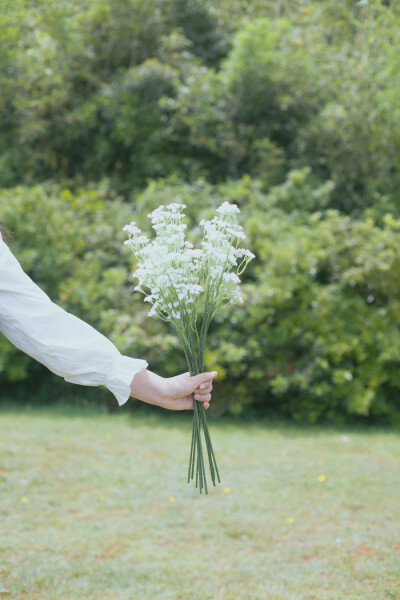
96	507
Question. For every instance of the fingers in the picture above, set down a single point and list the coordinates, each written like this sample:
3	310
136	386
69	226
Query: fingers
202	397
206	405
202	391
205	388
206	378
187	404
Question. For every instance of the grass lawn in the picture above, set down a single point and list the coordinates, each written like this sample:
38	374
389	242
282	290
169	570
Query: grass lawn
96	507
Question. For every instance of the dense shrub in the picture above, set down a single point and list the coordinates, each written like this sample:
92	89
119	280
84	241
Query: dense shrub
317	336
270	77
353	138
201	26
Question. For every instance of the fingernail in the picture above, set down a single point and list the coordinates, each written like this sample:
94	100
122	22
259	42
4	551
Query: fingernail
203	385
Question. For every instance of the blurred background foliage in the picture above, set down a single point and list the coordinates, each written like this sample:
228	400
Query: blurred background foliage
287	108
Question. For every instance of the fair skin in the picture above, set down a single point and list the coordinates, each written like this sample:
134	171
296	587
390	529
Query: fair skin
173	393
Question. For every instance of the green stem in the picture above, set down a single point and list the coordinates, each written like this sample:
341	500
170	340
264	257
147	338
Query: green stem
192	450
195	361
208	439
210	461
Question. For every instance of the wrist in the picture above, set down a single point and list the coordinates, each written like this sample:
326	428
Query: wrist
148	387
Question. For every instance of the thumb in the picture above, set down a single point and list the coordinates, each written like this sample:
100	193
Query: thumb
203	377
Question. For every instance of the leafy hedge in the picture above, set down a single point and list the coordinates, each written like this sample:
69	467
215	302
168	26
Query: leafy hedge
318	335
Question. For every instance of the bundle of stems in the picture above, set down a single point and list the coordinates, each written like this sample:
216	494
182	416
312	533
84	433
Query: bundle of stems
196	459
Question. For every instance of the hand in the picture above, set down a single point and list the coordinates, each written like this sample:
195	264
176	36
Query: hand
174	393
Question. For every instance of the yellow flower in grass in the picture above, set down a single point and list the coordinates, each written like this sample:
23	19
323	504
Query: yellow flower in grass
290	520
172	498
227	490
321	478
24	499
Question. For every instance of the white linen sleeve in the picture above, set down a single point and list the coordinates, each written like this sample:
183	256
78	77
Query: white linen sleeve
65	344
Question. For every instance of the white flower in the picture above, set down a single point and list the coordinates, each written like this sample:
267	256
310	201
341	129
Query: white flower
174	276
243	252
156	212
236	232
175	207
131	228
141	240
227	209
231	278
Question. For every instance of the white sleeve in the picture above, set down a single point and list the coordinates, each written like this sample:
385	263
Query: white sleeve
66	345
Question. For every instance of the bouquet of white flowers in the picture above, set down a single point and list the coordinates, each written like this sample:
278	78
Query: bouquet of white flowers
186	286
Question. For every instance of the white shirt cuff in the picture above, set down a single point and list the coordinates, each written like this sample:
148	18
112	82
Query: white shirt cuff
120	377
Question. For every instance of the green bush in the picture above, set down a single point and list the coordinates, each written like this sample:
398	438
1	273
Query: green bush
125	137
353	139
201	26
317	336
325	98
270	77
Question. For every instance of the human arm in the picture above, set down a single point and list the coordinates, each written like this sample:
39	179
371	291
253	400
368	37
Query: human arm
66	345
72	349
